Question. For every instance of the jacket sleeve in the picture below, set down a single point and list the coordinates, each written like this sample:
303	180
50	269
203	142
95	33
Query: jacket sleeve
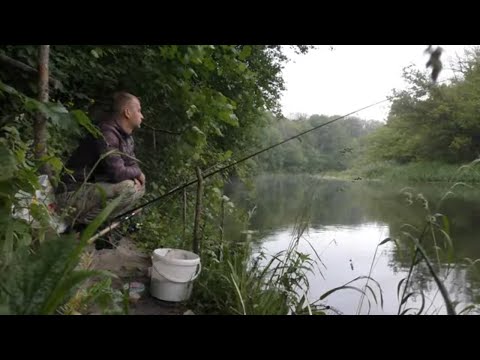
113	164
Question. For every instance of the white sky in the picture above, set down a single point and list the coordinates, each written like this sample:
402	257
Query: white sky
352	76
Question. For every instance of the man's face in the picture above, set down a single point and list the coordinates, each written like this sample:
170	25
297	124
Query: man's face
133	113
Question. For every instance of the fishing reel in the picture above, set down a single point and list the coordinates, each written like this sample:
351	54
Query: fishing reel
134	227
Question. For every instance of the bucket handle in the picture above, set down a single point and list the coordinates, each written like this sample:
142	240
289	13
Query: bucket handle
176	280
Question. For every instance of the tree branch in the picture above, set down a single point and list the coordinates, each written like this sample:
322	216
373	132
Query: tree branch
28	69
160	130
184	217
198	213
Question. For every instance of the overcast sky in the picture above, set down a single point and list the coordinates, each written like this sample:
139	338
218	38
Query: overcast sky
352	76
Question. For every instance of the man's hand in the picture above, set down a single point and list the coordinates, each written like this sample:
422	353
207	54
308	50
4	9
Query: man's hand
138	184
141	179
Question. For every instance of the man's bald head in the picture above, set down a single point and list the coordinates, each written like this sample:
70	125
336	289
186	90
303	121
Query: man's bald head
121	100
127	108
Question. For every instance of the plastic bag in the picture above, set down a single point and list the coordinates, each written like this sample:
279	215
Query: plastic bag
45	195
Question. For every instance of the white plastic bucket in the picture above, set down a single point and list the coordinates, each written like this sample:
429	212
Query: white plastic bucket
173	273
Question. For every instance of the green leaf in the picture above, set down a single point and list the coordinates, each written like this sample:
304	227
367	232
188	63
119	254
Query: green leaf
22	233
56	164
57	107
209	64
404	300
467	309
33	105
65	288
217	130
39	213
245	53
8	89
84	121
94	53
197	130
229	118
447	237
399	285
404	312
217	191
344	287
8	244
8	164
423	304
191	111
31	177
227	155
446	224
192	72
103	194
54	119
194	138
385	241
242	67
95	224
234	119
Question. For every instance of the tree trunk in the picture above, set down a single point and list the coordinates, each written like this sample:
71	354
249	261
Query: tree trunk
154	142
40	122
198	213
184	216
222	226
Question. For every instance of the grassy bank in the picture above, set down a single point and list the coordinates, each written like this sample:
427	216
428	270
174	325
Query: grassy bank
413	172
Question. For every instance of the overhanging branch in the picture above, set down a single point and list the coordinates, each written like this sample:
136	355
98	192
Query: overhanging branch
28	69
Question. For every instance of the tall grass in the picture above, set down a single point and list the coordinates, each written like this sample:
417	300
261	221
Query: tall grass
436	229
236	280
238	285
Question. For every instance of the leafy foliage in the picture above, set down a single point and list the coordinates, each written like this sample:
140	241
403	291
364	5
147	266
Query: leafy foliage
334	147
433	123
39	282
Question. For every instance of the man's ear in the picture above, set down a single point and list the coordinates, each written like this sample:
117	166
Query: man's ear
126	112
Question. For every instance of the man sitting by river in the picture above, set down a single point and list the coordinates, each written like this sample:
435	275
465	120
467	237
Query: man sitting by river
116	174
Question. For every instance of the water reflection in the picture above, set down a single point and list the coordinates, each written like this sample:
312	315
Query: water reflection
347	222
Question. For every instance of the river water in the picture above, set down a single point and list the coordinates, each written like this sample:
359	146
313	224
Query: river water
348	219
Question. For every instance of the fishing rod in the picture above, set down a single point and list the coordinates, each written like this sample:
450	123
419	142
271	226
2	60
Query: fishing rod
129	214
